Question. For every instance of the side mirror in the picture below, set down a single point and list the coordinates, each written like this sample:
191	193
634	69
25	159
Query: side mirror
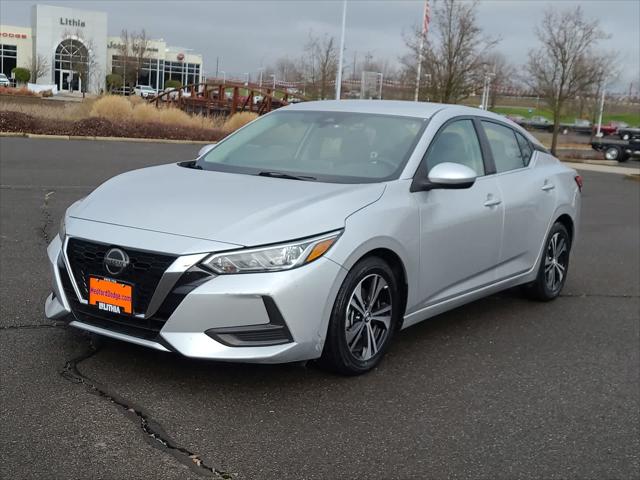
447	175
205	150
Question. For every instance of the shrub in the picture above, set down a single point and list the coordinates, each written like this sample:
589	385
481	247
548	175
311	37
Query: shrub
135	100
21	75
237	120
113	81
145	113
172	84
47	93
173	116
20	92
112	107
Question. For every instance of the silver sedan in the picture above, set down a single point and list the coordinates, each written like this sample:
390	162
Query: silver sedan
317	232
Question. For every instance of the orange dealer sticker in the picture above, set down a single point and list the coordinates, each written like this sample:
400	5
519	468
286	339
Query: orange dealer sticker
110	296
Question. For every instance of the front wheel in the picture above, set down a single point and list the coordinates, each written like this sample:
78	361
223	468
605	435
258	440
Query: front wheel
554	266
364	318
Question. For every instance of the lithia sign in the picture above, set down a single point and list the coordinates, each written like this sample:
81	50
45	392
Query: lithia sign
71	22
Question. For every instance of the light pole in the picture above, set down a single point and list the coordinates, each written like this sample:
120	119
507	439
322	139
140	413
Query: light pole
486	89
261	70
339	75
380	91
598	133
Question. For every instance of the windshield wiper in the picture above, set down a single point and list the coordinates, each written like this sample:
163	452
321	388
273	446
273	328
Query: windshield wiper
286	176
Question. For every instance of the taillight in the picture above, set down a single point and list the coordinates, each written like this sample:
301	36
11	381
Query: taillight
578	180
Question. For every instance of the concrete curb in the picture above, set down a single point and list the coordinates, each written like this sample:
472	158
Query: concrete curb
627	171
608	163
106	139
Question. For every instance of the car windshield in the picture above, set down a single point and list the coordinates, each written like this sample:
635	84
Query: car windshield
337	147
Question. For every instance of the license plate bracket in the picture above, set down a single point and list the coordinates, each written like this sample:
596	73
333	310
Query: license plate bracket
111	295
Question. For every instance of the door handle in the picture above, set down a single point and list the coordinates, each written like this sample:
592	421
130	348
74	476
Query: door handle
492	202
548	186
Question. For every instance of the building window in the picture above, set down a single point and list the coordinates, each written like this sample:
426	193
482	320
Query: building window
8	58
155	72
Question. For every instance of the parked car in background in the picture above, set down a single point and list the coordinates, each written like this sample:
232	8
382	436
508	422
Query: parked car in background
122	91
538	122
579	125
144	91
620	151
628	133
519	119
609	129
317	231
4	81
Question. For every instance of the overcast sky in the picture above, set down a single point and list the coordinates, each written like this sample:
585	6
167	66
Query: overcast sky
246	34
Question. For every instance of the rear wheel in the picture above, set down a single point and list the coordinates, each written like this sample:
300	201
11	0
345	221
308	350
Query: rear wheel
554	265
364	318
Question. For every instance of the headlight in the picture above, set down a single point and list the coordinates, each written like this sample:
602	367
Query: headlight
62	231
271	259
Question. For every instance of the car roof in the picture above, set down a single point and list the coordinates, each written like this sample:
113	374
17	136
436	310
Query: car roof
404	108
388	107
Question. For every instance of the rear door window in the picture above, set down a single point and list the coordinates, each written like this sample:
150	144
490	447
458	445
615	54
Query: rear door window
525	148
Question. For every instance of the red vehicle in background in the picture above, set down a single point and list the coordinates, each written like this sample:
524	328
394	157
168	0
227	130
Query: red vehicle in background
609	129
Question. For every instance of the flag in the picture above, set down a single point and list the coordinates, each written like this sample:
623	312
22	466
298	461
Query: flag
426	19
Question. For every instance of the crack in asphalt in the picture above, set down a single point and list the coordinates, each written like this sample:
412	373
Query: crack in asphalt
36	325
152	429
46	216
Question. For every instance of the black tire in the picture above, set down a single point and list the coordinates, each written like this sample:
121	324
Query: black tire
613	153
542	288
337	355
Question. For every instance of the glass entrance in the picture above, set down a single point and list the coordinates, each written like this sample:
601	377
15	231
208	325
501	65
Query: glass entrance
71	60
68	81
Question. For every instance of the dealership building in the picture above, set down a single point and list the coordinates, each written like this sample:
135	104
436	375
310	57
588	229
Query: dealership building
74	45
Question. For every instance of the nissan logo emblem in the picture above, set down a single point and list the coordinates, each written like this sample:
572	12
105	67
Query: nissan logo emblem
115	261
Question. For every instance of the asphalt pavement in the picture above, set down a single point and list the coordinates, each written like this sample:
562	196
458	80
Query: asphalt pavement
502	388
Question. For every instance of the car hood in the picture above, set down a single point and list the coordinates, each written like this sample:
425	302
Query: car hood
240	209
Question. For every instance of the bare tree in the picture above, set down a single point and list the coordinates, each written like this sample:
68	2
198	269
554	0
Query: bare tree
502	74
564	65
39	67
139	47
322	63
126	66
454	52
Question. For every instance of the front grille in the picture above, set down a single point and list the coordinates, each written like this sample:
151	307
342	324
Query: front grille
144	271
147	329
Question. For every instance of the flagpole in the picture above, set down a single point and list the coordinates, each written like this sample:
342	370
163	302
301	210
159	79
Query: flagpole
425	20
339	73
417	91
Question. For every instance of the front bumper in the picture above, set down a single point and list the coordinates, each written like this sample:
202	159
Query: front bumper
299	300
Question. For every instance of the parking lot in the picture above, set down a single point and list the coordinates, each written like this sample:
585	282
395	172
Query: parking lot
502	388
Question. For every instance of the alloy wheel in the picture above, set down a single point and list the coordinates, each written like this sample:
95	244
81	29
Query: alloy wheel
611	153
556	262
368	317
